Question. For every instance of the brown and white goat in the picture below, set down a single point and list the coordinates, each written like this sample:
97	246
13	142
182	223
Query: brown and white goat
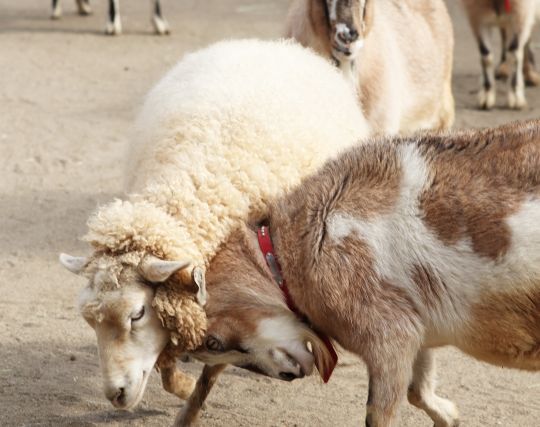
397	53
516	19
114	24
393	249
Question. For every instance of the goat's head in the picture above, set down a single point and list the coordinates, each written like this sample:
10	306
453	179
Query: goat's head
118	303
249	324
349	22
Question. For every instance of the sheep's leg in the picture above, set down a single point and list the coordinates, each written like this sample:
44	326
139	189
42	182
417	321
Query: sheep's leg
486	95
114	24
160	24
390	373
190	412
84	7
421	392
56	9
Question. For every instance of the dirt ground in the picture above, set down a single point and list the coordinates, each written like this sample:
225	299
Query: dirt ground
68	96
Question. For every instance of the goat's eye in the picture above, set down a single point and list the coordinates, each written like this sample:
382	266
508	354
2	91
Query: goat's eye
213	344
139	315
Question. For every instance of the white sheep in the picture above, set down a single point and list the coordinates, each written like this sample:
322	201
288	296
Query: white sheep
114	24
227	129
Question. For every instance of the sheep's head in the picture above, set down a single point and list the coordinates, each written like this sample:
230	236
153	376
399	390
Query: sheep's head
349	21
136	305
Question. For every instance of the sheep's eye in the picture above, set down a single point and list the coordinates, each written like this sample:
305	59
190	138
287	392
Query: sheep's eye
213	344
139	315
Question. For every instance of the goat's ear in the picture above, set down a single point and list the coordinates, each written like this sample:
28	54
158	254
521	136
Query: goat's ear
198	280
157	270
75	264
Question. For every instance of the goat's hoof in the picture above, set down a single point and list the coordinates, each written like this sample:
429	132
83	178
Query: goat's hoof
113	28
56	14
516	101
161	27
486	99
85	12
532	78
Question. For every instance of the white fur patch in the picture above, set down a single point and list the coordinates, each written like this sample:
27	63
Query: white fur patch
400	240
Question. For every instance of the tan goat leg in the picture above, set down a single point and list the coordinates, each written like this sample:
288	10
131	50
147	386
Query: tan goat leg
83	6
390	374
421	392
177	382
487	93
190	412
516	53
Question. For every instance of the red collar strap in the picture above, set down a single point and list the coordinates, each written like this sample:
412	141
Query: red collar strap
507	6
267	248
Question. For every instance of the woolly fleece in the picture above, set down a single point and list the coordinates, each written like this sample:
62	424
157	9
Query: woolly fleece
227	129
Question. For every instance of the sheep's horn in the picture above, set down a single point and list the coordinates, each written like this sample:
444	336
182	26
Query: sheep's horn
75	264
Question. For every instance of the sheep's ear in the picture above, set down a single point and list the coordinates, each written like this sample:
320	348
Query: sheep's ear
75	264
157	270
198	280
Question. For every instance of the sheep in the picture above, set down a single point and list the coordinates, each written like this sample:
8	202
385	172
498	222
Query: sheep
395	248
216	139
397	54
516	18
114	24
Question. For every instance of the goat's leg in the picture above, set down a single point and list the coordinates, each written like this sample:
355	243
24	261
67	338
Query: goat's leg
161	26
532	77
522	27
190	412
390	373
486	95
56	9
83	7
114	24
177	382
502	72
421	392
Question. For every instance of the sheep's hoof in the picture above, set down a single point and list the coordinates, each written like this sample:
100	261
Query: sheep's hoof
486	99
161	27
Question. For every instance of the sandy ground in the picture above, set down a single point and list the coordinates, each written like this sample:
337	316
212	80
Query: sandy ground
68	96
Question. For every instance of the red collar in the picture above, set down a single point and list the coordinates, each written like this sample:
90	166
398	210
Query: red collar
267	248
507	6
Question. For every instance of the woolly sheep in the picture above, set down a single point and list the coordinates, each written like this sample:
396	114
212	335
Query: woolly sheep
227	129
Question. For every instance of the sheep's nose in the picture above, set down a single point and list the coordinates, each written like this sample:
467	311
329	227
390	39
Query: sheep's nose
117	396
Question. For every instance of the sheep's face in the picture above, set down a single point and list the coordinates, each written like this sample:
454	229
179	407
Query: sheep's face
117	304
130	338
348	21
